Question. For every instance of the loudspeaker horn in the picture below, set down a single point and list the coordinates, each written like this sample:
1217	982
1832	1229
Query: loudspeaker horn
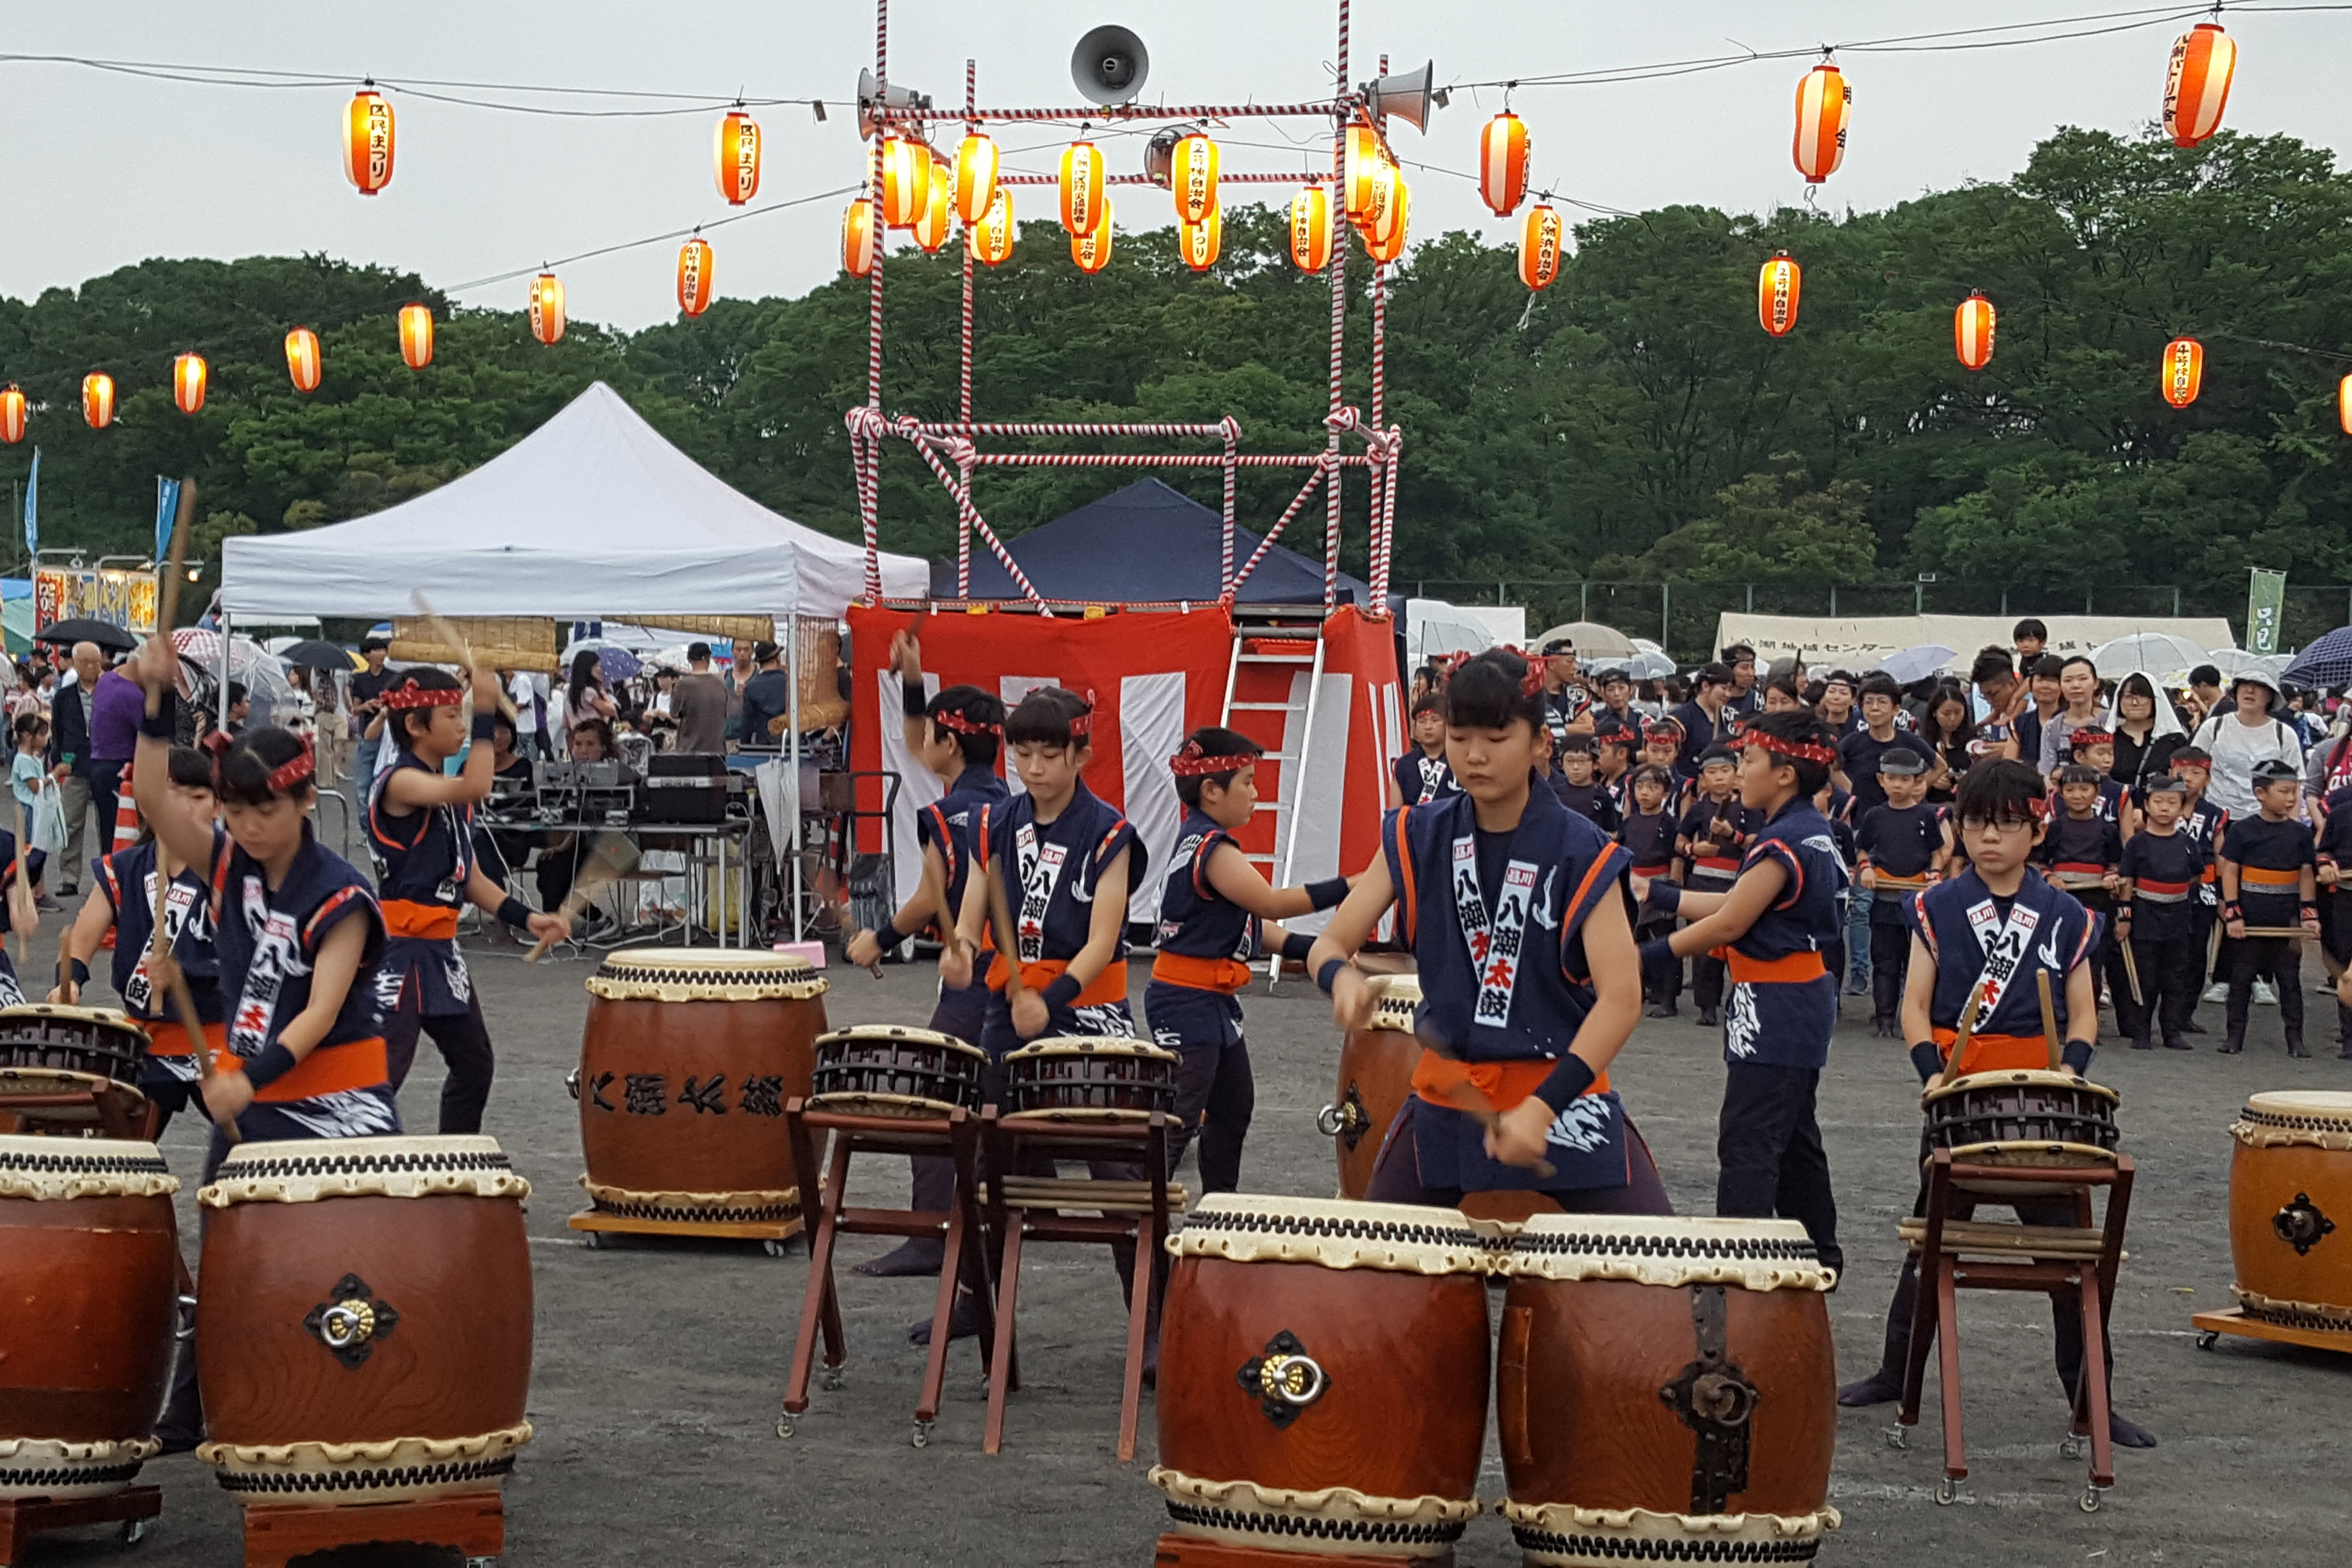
897	100
1408	97
1110	65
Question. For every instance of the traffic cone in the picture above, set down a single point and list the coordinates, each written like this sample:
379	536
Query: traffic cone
126	823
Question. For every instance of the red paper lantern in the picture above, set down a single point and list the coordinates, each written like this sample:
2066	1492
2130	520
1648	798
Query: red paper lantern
1539	248
2344	404
416	335
189	376
2184	371
990	241
547	308
1824	104
1192	176
2197	83
736	158
12	414
858	238
97	400
1082	187
975	178
1198	243
1091	252
1972	325
1503	163
1310	228
695	287
302	359
1777	287
367	142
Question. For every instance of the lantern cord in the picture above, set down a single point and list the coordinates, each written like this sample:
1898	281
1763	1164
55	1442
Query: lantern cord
653	239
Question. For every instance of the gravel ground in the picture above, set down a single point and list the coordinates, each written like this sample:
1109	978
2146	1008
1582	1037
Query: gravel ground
660	1365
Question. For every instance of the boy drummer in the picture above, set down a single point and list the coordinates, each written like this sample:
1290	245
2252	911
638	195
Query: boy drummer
1981	938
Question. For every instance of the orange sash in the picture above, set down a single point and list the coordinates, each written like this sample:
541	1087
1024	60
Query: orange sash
1110	985
1796	968
1223	975
434	923
166	1038
1994	1053
330	1069
1504	1084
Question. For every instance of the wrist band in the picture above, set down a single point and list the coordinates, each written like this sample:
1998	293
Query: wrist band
1665	895
485	727
164	724
1296	945
1927	1058
2232	910
2307	912
1566	1082
1327	894
913	699
1329	975
2077	1055
1061	991
516	913
1657	950
78	969
274	1063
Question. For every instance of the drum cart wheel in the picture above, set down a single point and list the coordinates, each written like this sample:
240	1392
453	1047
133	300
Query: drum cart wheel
2208	1338
1899	1437
134	1531
1947	1492
786	1425
922	1434
593	1240
2091	1496
831	1380
2072	1444
773	1247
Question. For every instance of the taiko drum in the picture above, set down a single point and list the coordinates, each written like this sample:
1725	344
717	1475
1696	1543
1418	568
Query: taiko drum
1657	1377
363	1327
88	1256
1375	1080
1322	1381
684	1067
2291	1209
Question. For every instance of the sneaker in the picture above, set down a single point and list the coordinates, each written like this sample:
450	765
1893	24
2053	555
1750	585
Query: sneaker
1707	1018
2217	991
46	905
2263	995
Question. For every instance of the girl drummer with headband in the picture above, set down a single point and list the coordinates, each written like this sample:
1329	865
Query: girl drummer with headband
1514	909
1777	920
297	933
1979	942
123	899
421	830
1217	913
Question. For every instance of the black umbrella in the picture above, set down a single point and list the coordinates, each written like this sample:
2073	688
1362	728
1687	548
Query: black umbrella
317	655
81	628
2326	662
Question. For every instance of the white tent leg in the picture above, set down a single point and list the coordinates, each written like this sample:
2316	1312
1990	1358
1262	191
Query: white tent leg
225	630
792	762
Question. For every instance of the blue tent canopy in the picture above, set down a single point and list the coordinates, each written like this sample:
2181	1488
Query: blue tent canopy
1143	543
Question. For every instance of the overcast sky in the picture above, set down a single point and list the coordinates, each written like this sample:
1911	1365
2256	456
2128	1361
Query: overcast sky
102	170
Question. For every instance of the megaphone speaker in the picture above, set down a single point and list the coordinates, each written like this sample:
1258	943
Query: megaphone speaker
872	97
1406	97
1110	65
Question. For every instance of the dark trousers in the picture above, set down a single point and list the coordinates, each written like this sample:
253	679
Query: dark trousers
2171	976
2277	960
1662	978
2107	963
1767	1149
463	1042
1396	1178
556	871
1890	963
2065	1309
1706	982
1215	1096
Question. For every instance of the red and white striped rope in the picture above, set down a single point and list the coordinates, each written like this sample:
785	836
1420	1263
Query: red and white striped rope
1100	113
1225	529
1169	460
967	516
1224	178
1060	428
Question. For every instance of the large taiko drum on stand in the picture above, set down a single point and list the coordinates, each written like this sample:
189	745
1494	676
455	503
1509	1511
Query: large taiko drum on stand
2291	1209
1375	1080
1666	1390
89	1292
685	1065
1322	1380
364	1325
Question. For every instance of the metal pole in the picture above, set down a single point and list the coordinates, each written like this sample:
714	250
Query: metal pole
225	630
1919	598
1338	329
963	386
1833	598
1667	617
1584	600
2087	601
1751	598
793	764
2176	601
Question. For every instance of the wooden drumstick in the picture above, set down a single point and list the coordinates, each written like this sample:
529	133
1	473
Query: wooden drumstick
2131	973
602	871
1953	1063
1465	1098
2049	1020
443	632
999	912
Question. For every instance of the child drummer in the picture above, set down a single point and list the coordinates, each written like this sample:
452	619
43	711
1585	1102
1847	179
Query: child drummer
956	736
1514	908
1780	915
2269	883
1421	776
1217	913
123	901
1979	940
1903	846
1648	836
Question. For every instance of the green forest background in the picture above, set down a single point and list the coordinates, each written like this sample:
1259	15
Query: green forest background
1632	423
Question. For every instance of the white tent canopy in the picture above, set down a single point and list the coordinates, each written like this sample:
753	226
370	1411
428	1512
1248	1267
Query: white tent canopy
593	514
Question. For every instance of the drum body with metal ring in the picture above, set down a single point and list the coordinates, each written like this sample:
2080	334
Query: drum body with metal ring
2291	1209
46	1049
685	1065
88	1256
1323	1375
890	1069
1659	1378
2025	1119
1089	1078
364	1329
1375	1080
